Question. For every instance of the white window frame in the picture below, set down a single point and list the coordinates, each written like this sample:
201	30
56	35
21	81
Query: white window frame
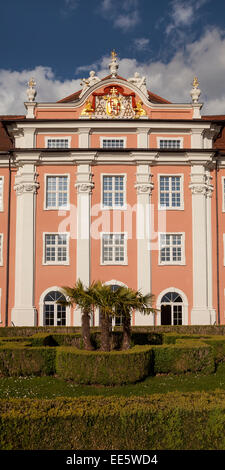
181	139
223	194
56	208
52	137
114	207
114	263
171	262
113	138
1	249
172	208
54	263
224	250
2	204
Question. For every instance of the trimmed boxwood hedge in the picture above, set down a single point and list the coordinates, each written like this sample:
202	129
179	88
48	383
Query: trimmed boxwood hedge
97	367
186	356
174	421
19	360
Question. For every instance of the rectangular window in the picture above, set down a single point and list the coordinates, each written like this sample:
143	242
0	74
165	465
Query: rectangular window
56	248
171	248
170	143
1	249
1	193
112	143
113	191
57	143
57	192
170	192
113	248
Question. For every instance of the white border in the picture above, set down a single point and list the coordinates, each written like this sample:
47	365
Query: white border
65	208
113	263
2	206
185	304
1	249
164	208
124	138
41	305
183	258
122	208
57	263
181	139
66	137
223	193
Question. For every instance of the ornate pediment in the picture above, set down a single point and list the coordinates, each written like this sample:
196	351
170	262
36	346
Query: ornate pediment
113	103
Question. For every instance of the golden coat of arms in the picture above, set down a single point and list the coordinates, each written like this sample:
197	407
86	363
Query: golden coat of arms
113	103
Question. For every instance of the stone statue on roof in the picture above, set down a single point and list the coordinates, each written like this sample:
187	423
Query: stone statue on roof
89	82
31	91
140	82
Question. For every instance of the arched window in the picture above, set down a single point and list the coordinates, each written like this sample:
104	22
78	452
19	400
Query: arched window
118	320
54	314
171	309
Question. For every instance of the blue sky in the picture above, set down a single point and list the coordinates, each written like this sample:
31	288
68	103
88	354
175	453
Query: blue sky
60	41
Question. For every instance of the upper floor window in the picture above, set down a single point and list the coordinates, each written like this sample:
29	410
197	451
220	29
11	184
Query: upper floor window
113	191
57	192
171	192
56	248
171	249
1	249
1	193
112	143
166	143
114	248
57	143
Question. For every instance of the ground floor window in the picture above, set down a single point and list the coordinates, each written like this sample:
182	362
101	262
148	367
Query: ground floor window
171	309
54	314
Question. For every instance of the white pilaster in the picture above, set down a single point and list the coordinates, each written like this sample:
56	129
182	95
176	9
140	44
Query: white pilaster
200	314
83	138
196	139
24	312
143	233
209	246
142	137
84	187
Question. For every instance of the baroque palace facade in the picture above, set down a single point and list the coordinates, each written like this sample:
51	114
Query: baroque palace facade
117	184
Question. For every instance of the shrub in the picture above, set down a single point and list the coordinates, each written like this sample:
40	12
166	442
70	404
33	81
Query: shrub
161	422
186	356
96	367
19	360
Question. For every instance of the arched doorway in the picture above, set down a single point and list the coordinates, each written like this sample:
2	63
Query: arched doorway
172	309
54	314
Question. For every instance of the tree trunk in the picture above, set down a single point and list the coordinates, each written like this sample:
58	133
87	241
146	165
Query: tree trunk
105	334
126	332
86	334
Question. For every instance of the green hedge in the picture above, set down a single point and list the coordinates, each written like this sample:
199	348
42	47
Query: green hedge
218	345
186	356
174	421
178	329
96	367
19	360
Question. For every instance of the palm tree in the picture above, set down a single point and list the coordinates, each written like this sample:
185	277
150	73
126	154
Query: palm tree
127	300
104	299
83	298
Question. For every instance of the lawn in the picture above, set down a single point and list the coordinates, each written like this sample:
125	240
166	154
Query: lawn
52	387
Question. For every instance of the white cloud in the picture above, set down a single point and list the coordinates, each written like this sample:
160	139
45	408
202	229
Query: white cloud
122	14
183	13
141	43
204	58
13	87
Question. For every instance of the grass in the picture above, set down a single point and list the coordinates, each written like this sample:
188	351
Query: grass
52	387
